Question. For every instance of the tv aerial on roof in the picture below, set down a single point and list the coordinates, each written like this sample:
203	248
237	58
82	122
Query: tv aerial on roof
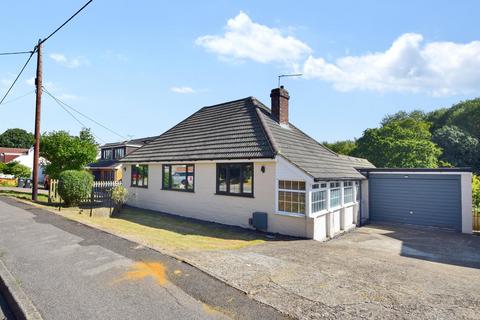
288	75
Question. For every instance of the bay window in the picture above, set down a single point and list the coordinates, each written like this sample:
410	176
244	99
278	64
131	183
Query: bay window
139	176
291	196
235	179
319	197
178	177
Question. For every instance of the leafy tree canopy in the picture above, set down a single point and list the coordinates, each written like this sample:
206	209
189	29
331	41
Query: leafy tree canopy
66	152
459	148
403	142
345	147
417	115
16	138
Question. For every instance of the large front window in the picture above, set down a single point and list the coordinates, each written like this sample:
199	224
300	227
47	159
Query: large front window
178	177
291	196
235	179
139	176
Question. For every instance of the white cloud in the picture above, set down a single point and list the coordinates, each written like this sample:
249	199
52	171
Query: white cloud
68	62
245	39
184	90
409	65
54	89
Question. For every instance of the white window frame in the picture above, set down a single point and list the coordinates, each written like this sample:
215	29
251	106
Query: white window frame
344	186
323	187
295	214
330	189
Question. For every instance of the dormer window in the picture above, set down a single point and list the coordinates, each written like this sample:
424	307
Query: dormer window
107	154
119	153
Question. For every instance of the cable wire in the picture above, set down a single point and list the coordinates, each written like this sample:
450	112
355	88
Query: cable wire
12	53
19	97
63	24
18	76
84	115
72	115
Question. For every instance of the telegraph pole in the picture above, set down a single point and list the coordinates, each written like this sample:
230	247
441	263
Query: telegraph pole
38	108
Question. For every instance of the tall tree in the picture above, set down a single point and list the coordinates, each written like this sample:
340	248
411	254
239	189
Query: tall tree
402	143
16	138
459	148
417	115
66	152
345	147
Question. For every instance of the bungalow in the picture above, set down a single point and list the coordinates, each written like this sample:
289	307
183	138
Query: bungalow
241	163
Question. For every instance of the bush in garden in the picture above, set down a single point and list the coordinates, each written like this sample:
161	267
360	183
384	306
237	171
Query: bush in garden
74	185
119	197
476	192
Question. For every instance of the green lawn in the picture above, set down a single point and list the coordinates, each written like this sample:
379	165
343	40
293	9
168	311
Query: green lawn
161	231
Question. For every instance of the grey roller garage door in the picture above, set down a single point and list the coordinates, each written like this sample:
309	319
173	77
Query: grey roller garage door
420	199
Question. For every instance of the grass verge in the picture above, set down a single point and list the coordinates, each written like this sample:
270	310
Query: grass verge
157	230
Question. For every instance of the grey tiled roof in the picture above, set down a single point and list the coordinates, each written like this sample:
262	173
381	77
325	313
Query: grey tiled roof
245	129
137	142
103	164
229	130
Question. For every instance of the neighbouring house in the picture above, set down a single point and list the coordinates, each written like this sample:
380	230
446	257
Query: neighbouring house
242	163
108	167
26	159
9	154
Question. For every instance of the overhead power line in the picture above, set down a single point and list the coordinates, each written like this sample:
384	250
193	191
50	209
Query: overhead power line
63	24
18	76
19	97
84	115
72	115
12	53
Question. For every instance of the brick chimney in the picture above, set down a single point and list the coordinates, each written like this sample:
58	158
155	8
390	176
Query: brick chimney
280	104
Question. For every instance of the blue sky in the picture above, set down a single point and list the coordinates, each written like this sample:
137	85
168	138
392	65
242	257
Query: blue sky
140	67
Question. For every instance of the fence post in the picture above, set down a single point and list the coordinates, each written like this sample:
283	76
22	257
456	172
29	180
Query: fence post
91	201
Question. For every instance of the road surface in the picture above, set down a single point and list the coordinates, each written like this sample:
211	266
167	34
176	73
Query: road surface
71	271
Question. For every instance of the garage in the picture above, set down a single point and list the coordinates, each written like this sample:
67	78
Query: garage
425	197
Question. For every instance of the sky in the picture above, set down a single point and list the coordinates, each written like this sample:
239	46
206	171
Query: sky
140	67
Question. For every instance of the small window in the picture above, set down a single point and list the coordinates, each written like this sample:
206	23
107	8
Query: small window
347	192
139	176
235	179
335	194
119	153
291	196
107	154
179	177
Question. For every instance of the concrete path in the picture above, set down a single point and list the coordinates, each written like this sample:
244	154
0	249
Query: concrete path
71	271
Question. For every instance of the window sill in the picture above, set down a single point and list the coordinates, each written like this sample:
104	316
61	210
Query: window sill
290	214
235	195
175	190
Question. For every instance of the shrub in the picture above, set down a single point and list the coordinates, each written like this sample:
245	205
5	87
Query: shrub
119	195
74	185
476	192
17	169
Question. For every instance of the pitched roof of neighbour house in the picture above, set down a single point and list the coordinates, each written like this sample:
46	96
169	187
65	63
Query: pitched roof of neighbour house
133	142
245	129
13	150
103	164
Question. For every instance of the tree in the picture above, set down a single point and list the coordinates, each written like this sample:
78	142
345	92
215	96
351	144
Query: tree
16	138
459	148
417	115
17	169
401	143
345	147
66	152
476	192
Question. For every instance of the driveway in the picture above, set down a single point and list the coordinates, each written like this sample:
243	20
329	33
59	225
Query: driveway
374	272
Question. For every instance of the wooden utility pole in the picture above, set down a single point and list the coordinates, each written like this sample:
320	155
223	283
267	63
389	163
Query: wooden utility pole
38	108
